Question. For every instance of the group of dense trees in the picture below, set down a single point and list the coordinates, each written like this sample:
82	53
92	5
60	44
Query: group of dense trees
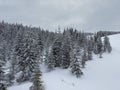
24	48
104	33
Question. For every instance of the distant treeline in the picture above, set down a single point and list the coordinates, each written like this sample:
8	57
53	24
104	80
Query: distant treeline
104	33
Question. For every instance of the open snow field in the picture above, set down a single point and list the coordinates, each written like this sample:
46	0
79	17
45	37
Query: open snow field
99	74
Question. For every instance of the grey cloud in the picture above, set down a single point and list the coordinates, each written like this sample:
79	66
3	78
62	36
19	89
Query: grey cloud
89	15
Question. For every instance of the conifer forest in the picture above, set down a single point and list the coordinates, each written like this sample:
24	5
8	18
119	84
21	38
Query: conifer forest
23	49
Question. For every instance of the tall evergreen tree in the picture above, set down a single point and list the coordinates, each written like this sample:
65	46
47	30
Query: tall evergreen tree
50	62
75	68
27	59
40	46
2	55
66	49
13	69
90	48
90	55
2	79
57	52
75	62
84	58
36	79
107	46
99	47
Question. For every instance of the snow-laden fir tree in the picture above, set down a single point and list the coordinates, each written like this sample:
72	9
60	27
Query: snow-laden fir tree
75	62
90	55
50	62
56	52
90	47
84	58
91	43
2	63
10	77
99	47
40	43
107	46
40	47
36	79
89	51
27	59
2	79
95	48
66	49
2	55
75	67
19	43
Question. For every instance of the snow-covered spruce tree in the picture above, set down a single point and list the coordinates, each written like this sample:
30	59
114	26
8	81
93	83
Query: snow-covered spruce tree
66	49
48	56
90	57
84	58
75	62
75	68
19	43
40	43
40	47
90	47
2	79
2	63
107	46
27	59
36	79
56	52
99	47
76	51
89	50
95	49
47	49
10	77
2	55
50	62
91	43
18	50
84	40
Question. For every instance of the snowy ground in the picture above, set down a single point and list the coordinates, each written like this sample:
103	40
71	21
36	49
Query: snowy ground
99	74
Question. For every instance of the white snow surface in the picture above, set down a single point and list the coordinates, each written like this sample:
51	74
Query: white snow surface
99	74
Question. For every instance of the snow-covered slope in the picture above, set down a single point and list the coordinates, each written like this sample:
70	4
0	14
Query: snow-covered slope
99	74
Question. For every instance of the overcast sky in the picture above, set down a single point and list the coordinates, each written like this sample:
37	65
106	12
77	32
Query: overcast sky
88	15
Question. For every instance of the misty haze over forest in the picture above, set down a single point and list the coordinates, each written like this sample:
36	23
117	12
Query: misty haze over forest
87	15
